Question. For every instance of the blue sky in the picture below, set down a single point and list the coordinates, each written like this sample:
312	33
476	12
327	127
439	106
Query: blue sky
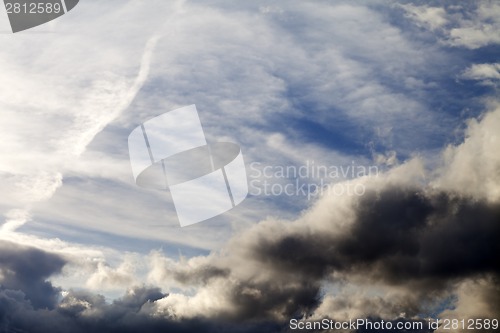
382	83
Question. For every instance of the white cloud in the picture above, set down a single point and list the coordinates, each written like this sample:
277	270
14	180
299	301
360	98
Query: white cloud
472	26
430	17
473	301
482	29
487	74
54	104
473	166
14	219
121	277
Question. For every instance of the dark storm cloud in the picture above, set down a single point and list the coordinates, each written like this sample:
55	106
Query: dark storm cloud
420	240
82	313
399	234
267	300
26	269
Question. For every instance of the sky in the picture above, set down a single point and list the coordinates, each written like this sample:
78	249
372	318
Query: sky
405	89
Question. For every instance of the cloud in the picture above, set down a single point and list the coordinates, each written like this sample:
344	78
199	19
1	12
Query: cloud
482	72
486	74
480	30
15	219
431	17
29	303
475	297
64	106
472	166
394	238
24	270
84	312
468	25
106	277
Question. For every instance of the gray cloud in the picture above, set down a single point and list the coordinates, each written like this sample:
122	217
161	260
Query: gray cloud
25	270
29	303
401	236
83	312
